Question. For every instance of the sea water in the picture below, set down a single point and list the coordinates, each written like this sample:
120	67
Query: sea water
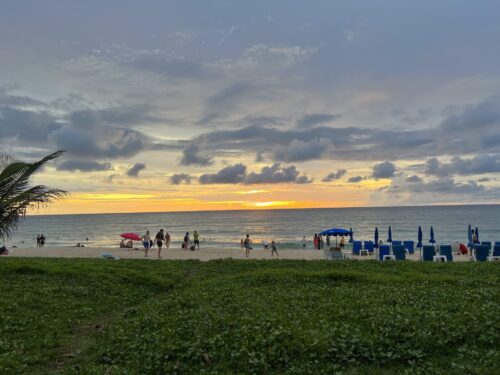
225	229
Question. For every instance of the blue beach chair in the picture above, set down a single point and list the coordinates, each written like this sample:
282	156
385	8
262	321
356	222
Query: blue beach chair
383	250
495	255
399	252
487	243
481	253
356	247
428	252
447	252
410	246
369	245
396	243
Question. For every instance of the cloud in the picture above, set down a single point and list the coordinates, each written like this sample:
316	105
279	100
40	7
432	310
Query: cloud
274	174
259	157
136	169
83	166
479	164
179	178
335	175
413	178
299	150
447	186
277	173
26	126
172	67
232	174
193	155
356	179
384	170
315	119
228	99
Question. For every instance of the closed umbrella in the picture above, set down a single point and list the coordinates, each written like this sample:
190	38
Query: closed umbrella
376	238
419	243
389	234
351	240
469	235
432	240
477	235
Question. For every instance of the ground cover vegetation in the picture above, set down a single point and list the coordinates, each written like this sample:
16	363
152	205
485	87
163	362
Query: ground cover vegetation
218	317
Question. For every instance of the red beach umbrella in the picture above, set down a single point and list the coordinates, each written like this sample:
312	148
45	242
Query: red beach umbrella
131	236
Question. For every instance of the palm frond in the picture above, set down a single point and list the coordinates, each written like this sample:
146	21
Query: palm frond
17	196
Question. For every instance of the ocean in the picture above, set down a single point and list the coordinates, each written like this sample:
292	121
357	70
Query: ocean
224	229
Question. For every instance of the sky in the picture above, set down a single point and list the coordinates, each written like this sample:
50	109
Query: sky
227	104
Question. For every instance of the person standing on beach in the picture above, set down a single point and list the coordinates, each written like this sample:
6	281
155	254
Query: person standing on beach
273	248
167	240
160	237
42	240
146	241
248	243
196	239
38	241
316	241
304	242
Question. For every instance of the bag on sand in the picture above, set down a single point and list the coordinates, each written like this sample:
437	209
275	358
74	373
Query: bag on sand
192	247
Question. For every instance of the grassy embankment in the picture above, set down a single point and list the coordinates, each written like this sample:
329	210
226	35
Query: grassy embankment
94	316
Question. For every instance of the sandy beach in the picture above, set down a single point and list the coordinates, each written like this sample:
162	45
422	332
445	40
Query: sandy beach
179	254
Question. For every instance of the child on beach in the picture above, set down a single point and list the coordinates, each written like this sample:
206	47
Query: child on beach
167	240
273	248
304	242
145	241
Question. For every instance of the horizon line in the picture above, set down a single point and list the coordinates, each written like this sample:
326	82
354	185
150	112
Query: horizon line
271	209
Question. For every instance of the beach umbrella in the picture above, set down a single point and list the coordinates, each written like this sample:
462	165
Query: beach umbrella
477	235
432	240
131	236
376	238
335	232
389	234
351	240
419	243
469	235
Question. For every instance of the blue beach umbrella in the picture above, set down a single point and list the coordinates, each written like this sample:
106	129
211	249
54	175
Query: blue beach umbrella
335	232
351	240
376	238
389	234
477	235
432	240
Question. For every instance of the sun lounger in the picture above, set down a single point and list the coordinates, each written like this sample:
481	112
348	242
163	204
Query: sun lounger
396	243
369	245
495	254
410	246
446	251
428	252
399	252
487	243
481	253
356	247
383	251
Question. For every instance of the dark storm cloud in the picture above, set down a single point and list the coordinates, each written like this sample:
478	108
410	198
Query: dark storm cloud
179	178
233	174
335	175
479	164
194	155
274	174
136	169
315	119
384	170
414	178
83	166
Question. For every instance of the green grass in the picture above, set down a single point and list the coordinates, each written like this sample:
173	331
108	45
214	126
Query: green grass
261	317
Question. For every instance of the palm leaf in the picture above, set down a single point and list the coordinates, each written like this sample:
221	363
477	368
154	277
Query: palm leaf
17	195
